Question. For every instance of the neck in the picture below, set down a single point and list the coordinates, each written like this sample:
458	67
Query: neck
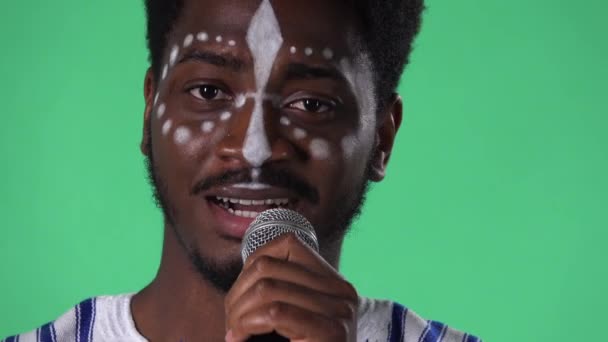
179	305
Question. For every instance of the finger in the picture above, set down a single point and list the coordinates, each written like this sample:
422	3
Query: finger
293	323
267	291
268	267
288	247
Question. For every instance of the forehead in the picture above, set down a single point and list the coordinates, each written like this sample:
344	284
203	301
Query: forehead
311	22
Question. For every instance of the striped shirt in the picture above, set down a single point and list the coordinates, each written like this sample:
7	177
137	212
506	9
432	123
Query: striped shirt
108	319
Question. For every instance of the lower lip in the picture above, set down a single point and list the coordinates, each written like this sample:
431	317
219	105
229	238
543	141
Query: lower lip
230	224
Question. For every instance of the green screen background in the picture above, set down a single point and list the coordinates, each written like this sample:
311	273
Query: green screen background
492	217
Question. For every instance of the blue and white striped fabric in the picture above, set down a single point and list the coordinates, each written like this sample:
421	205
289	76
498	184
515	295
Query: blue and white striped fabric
108	319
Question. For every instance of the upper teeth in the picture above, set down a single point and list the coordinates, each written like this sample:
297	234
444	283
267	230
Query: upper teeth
274	201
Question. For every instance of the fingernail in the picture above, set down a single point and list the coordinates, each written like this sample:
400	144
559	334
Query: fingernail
229	337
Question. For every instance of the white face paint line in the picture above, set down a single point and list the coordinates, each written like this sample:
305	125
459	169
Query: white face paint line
293	50
240	100
308	51
167	127
202	36
319	148
264	39
299	133
156	99
173	56
182	135
255	174
225	116
161	110
165	71
219	39
188	40
231	43
328	54
285	121
207	126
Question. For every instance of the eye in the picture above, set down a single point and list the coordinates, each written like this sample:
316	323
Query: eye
207	92
312	105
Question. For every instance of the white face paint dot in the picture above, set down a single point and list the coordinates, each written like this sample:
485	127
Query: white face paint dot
219	39
285	121
308	51
207	126
299	133
173	56
165	70
240	100
225	116
161	110
188	40
319	149
231	43
182	135
349	143
156	99
202	36
293	50
328	54
167	127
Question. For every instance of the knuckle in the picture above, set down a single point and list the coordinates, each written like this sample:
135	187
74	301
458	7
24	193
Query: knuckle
339	330
264	287
277	310
350	291
262	264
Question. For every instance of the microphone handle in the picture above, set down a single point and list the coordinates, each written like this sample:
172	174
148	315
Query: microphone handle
272	337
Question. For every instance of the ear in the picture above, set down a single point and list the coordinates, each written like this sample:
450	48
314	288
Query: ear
388	125
149	91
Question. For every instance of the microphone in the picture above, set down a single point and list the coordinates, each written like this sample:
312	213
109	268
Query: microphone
272	223
267	226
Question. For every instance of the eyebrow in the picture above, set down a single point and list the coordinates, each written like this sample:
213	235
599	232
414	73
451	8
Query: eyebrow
299	71
220	60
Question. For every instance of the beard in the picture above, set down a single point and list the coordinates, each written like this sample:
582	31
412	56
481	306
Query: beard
223	274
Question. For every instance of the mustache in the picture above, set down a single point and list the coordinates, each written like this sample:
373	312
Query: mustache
272	176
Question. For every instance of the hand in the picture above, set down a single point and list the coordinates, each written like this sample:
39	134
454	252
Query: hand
287	287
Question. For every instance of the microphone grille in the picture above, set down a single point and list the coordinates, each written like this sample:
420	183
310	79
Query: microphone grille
272	223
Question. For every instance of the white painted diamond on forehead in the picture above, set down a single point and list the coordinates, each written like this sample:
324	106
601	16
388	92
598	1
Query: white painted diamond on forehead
188	40
202	36
264	40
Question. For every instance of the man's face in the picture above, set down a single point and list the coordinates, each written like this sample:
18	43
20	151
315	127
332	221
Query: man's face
258	105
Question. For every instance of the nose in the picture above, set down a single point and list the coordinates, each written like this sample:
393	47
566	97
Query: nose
253	137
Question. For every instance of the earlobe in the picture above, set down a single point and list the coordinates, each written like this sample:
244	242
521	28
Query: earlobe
149	90
389	123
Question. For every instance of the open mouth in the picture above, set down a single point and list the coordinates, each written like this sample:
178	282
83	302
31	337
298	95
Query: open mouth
250	208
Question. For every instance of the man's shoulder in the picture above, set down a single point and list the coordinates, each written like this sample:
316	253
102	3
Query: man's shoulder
384	320
90	318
